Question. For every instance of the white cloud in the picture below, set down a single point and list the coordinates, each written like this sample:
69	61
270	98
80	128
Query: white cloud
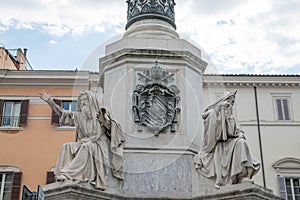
257	36
52	42
249	36
61	17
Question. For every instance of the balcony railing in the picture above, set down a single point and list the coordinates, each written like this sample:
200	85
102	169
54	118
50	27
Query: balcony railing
10	121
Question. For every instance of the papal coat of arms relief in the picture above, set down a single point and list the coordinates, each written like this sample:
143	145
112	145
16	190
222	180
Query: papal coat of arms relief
156	99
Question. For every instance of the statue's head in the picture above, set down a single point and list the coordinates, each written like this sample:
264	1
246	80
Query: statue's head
230	98
85	101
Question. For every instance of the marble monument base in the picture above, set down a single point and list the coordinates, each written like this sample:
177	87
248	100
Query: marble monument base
158	175
241	191
74	191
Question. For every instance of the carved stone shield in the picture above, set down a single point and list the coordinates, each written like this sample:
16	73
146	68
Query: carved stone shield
155	101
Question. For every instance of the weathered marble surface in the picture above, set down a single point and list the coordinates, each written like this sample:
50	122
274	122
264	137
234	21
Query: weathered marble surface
97	136
242	191
155	175
224	154
74	191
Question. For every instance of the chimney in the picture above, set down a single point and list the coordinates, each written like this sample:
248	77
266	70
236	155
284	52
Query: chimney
25	52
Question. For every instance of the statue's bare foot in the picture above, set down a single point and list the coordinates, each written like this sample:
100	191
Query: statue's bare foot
61	178
217	185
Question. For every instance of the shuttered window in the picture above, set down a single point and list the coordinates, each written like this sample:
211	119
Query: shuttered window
16	186
66	105
5	185
289	188
50	177
283	108
10	184
55	116
13	113
282	187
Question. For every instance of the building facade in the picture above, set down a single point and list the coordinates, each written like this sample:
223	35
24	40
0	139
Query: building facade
30	137
267	110
30	140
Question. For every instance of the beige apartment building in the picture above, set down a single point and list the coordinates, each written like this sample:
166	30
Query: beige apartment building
30	137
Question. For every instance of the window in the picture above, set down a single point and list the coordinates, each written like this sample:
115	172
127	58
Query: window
289	188
5	185
292	188
65	104
10	183
282	105
288	178
69	105
13	113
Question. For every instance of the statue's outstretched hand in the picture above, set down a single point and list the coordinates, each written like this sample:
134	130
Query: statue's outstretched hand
44	96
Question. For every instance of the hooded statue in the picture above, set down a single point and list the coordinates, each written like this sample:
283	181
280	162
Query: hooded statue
224	153
98	144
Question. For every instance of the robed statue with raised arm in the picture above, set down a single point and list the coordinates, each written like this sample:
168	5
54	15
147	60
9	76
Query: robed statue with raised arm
224	153
98	144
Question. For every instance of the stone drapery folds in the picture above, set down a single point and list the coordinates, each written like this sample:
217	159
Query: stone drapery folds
98	145
224	153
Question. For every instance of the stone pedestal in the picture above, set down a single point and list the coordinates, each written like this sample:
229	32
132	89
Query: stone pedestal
74	191
71	190
246	191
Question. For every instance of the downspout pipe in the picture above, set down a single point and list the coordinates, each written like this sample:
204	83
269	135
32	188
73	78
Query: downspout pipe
259	138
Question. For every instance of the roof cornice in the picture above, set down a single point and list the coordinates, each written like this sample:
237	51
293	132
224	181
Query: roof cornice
47	78
251	80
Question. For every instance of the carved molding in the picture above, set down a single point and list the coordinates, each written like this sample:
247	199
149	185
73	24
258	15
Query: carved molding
287	166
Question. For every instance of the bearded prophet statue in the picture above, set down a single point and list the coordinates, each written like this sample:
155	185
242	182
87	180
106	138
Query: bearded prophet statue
224	153
98	146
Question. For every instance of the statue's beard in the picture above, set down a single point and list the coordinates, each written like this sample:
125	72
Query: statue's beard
86	112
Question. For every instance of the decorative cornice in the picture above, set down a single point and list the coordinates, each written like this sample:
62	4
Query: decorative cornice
251	84
150	9
287	163
46	78
251	80
287	166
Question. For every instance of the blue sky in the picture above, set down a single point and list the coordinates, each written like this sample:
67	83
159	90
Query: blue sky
237	36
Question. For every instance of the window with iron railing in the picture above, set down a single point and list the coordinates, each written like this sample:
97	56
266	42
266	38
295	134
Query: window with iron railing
13	113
